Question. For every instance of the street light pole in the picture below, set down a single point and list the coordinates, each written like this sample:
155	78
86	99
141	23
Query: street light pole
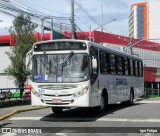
102	22
100	26
72	20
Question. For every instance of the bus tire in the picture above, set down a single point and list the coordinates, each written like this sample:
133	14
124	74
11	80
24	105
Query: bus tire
130	101
103	104
57	110
131	97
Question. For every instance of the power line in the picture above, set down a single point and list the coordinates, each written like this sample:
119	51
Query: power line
36	15
16	7
85	11
11	10
43	7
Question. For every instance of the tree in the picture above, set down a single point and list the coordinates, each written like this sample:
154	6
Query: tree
22	33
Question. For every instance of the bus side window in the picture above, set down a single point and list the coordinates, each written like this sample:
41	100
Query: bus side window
119	65
140	69
131	67
94	65
136	68
113	64
135	72
104	64
126	68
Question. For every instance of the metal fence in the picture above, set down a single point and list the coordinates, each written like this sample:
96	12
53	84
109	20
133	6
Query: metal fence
14	93
151	93
12	96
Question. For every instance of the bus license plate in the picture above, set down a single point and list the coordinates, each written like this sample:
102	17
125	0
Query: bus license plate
56	100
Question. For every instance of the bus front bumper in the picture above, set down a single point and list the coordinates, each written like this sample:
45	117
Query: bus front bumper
68	101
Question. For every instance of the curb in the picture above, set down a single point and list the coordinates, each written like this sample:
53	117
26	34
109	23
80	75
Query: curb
18	111
8	103
147	101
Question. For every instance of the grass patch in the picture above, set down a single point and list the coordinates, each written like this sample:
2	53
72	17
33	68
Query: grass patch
152	96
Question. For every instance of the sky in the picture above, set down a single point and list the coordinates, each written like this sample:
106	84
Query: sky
112	9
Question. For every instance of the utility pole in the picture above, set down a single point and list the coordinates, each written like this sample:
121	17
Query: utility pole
72	19
102	23
130	45
51	36
90	33
42	30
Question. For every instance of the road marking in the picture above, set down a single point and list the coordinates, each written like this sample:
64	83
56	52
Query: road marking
10	134
148	134
26	118
61	134
87	119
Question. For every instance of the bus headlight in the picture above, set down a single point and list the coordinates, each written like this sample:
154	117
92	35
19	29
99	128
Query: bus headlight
80	93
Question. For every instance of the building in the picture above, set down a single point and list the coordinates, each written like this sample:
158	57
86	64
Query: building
148	51
144	20
138	18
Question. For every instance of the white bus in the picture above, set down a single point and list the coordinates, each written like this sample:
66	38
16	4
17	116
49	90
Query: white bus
77	73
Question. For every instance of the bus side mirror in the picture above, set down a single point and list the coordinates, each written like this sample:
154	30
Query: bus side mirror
94	65
28	60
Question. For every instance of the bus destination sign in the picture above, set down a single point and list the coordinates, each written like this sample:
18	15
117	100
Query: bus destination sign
55	46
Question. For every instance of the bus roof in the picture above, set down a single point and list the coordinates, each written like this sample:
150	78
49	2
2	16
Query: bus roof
91	44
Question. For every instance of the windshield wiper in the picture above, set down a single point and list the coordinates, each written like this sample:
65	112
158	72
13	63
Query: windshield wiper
67	59
47	68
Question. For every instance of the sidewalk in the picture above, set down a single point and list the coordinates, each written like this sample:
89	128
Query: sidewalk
7	111
148	100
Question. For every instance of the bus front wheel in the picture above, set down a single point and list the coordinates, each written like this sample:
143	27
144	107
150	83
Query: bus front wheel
57	110
102	105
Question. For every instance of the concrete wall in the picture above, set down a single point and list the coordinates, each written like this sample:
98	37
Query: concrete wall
5	81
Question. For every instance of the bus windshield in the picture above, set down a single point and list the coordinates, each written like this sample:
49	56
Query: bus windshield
71	67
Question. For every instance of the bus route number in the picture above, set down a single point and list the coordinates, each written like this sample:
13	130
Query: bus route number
41	91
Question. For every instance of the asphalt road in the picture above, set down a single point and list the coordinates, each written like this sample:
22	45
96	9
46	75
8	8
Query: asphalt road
118	120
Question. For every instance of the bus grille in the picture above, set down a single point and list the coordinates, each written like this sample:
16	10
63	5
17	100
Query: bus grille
64	95
57	87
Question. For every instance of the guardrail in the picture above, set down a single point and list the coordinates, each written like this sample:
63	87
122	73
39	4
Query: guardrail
12	95
151	93
8	93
